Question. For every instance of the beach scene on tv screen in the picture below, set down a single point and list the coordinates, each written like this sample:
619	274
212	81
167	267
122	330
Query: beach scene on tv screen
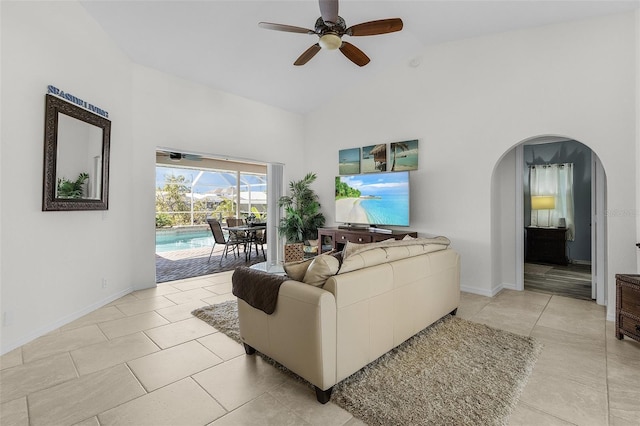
374	199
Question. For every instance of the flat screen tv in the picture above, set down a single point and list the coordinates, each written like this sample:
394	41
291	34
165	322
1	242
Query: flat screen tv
373	199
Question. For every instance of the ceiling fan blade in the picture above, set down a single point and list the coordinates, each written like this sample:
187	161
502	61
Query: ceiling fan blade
329	10
381	26
307	55
285	28
354	54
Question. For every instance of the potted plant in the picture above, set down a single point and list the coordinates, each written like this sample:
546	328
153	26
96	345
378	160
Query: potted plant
71	189
302	217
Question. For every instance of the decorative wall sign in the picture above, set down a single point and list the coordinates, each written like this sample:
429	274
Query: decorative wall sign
52	90
404	155
374	158
349	161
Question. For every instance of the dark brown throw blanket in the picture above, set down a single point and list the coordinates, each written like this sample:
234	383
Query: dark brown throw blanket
258	288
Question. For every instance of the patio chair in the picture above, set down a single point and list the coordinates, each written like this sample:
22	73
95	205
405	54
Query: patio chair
232	221
259	239
219	238
239	236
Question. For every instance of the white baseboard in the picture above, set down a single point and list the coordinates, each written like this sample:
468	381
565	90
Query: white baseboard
488	293
509	286
480	292
63	321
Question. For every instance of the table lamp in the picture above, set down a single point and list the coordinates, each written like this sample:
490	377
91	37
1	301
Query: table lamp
544	202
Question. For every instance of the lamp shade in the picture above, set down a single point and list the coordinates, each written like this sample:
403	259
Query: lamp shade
543	202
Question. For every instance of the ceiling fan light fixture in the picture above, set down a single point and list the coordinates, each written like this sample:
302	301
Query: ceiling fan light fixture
330	41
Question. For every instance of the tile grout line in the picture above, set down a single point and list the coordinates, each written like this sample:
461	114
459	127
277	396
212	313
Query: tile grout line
126	402
548	414
541	410
26	396
546	305
608	411
208	393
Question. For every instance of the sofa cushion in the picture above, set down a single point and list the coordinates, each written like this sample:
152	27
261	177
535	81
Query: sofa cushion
321	268
351	248
358	256
296	270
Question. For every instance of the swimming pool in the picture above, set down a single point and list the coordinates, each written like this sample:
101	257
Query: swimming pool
182	239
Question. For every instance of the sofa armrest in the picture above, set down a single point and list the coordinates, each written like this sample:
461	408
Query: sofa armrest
300	334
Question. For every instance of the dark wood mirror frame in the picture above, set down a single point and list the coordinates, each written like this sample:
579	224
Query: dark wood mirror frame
54	107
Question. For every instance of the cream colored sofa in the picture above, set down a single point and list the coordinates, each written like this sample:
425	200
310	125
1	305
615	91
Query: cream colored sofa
382	295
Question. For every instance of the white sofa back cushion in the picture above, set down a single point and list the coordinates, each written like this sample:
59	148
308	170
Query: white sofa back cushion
358	256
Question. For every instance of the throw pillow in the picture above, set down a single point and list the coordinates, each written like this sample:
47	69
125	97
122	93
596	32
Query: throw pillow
296	270
321	268
350	248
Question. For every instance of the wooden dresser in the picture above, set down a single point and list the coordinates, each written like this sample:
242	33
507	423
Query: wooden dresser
547	245
336	238
628	306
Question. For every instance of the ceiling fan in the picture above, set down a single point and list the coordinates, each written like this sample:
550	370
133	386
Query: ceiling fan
330	28
177	156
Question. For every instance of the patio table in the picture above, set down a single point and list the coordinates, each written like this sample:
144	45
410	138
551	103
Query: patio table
249	231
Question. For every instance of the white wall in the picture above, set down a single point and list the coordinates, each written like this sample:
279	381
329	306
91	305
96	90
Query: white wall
471	101
637	210
53	263
174	113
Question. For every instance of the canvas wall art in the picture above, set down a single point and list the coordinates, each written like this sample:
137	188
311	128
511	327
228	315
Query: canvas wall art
349	161
374	158
404	155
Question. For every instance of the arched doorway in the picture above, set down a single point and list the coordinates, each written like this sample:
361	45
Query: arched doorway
511	207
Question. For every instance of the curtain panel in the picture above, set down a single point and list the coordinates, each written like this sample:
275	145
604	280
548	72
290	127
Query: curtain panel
553	180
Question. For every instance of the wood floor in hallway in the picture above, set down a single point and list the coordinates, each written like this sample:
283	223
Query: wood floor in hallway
570	281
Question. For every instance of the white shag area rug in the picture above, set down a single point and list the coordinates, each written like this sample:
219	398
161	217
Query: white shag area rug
455	372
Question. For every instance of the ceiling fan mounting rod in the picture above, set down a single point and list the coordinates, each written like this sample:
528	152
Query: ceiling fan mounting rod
339	28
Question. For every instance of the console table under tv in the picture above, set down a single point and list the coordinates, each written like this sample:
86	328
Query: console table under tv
336	238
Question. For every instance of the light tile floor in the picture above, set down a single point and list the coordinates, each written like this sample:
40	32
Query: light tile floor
144	360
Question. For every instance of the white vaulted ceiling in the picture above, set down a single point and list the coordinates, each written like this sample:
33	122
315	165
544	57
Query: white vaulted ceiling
219	44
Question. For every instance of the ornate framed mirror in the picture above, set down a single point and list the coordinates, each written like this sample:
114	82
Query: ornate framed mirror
76	158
